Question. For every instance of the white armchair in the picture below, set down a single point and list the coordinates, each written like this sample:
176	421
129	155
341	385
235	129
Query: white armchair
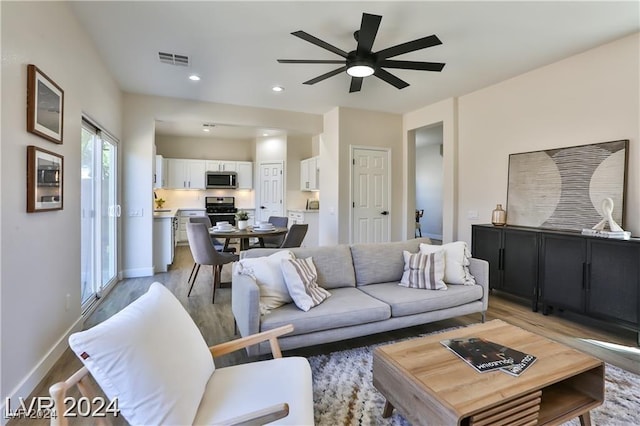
153	359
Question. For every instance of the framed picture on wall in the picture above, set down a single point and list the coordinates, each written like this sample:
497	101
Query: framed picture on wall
45	105
45	172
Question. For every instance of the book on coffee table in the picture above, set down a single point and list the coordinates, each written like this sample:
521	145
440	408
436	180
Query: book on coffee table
484	355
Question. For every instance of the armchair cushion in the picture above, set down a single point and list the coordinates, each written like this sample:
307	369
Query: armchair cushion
239	389
151	356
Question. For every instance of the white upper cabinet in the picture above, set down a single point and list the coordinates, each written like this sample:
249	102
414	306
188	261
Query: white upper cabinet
186	174
221	166
245	174
160	176
309	174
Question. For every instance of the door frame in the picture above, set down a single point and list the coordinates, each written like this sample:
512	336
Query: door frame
258	185
352	148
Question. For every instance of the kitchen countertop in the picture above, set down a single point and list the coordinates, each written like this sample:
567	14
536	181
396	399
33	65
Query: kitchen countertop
304	210
164	213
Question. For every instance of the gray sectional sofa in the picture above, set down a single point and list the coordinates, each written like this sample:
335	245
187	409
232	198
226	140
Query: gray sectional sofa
365	296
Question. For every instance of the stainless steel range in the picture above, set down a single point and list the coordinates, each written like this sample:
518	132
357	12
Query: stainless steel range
221	209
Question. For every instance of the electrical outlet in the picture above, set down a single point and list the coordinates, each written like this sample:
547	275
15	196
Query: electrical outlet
472	214
135	213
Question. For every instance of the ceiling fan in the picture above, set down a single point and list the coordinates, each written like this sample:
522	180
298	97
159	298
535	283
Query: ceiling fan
363	62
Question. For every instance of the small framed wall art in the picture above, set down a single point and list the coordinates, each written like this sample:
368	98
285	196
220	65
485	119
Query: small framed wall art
45	170
45	105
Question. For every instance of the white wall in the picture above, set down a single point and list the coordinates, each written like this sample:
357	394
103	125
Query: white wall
588	98
40	261
204	148
429	181
329	151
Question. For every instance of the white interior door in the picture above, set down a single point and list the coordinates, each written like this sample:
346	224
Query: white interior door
370	189
271	189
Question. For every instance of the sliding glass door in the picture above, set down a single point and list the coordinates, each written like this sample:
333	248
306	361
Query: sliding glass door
100	212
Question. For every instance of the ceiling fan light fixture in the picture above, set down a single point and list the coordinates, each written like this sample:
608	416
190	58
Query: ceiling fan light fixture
360	70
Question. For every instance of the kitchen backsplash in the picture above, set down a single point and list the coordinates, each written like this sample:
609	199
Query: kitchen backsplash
176	199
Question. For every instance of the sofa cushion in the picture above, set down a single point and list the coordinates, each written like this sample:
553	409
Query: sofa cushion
382	262
424	271
268	275
409	301
456	258
151	357
240	389
346	306
333	263
301	278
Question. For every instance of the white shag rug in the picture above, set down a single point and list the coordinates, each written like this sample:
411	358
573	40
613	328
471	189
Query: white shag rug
344	394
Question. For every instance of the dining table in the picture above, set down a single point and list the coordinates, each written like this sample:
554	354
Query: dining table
245	234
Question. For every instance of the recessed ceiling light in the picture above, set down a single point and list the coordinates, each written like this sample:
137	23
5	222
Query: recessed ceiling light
206	129
265	134
194	77
277	88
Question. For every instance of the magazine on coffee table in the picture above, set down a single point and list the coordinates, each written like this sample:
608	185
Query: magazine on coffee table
484	355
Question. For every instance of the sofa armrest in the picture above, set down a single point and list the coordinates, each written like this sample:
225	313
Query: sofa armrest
480	270
245	304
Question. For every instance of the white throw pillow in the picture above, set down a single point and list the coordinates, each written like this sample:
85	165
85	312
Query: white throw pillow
425	271
301	278
456	259
151	356
268	275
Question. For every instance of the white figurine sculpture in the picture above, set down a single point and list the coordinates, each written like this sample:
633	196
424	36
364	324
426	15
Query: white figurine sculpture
607	209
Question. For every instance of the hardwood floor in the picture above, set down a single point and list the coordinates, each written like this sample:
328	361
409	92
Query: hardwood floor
216	324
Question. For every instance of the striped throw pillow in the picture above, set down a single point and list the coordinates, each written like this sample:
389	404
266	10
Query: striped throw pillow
301	277
424	271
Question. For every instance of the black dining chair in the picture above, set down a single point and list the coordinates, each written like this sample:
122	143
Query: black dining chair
274	241
295	236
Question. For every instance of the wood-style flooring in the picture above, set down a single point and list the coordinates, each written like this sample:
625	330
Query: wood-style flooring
615	346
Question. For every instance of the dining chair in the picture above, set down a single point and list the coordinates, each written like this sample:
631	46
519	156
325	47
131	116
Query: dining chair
151	359
204	254
274	241
295	236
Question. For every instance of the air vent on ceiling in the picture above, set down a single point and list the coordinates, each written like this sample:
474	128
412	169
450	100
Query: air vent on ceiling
173	59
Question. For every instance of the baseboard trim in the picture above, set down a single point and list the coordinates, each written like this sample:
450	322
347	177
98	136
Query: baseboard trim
37	373
138	272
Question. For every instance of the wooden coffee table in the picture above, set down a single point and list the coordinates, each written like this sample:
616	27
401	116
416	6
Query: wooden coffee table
429	384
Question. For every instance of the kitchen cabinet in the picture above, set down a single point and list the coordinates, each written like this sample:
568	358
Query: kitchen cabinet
164	228
220	166
183	219
513	259
309	174
245	174
160	175
309	217
186	174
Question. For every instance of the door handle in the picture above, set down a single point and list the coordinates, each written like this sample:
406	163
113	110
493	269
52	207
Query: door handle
384	213
262	207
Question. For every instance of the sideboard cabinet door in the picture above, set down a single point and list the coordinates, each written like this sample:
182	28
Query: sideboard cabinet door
520	264
486	244
613	281
563	268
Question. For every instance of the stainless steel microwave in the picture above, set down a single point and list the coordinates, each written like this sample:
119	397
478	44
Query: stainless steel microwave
222	180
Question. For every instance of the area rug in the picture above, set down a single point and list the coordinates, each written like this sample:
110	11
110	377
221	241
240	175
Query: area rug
344	395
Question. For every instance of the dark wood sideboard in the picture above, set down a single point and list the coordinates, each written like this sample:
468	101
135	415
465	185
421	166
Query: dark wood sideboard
595	277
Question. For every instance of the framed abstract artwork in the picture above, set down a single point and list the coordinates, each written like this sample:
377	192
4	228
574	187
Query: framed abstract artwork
44	180
564	188
45	105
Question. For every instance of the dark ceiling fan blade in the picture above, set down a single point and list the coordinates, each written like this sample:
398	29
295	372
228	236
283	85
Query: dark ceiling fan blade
356	84
311	61
326	75
314	40
390	78
412	65
410	46
367	34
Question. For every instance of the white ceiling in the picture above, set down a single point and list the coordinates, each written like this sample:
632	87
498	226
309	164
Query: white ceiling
233	46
